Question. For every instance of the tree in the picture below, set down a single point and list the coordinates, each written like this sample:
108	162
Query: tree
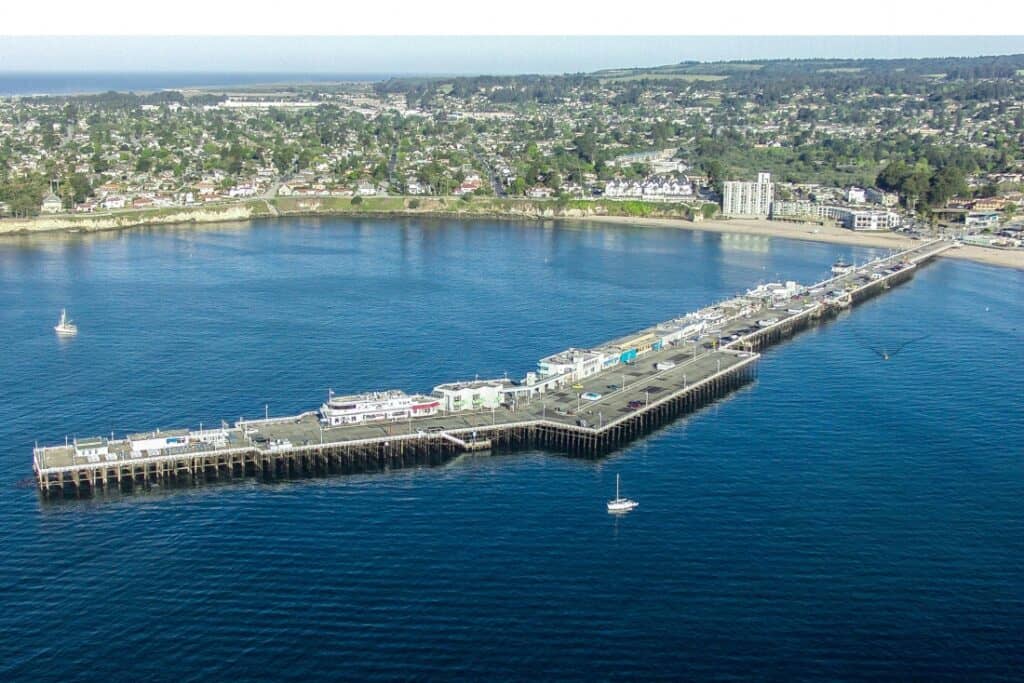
357	200
715	172
80	187
947	182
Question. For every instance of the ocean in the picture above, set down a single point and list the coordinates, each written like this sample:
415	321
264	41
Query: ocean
842	517
76	83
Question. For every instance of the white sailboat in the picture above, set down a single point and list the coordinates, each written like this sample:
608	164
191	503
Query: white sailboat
620	504
65	328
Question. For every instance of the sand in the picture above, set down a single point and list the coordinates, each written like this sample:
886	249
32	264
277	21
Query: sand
1007	258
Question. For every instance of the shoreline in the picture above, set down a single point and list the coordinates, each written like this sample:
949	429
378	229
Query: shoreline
1004	258
396	207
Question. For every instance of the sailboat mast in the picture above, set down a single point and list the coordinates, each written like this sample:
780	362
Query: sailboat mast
616	487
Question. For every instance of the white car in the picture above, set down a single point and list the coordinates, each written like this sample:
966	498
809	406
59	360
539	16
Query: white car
590	396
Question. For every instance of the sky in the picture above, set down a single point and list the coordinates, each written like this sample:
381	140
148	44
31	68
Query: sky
453	54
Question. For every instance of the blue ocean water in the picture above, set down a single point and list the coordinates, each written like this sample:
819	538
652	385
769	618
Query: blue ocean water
73	82
843	517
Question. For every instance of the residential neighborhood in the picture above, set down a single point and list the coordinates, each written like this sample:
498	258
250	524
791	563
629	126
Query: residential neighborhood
941	146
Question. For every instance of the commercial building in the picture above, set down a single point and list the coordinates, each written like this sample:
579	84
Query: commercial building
982	219
155	443
869	220
576	363
741	198
848	217
474	395
374	406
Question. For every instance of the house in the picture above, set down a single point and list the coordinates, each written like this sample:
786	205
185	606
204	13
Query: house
114	201
52	204
365	189
468	186
989	204
539	192
244	190
206	188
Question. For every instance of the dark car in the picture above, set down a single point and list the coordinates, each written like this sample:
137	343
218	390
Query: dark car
633	405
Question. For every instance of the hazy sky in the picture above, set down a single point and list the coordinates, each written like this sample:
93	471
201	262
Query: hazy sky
462	54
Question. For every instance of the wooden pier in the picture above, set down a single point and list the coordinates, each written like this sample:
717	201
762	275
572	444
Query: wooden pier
299	446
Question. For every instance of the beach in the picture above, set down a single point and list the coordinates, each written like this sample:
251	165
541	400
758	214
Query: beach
1006	258
392	207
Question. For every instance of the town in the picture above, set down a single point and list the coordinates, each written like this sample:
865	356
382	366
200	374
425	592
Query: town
920	146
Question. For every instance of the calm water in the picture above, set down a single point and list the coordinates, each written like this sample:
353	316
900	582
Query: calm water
73	82
843	517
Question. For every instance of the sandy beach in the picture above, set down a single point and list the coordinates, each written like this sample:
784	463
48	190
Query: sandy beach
817	233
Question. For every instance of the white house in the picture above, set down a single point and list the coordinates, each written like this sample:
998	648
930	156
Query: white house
114	201
365	189
52	204
244	190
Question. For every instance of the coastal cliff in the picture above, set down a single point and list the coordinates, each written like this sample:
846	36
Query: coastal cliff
328	206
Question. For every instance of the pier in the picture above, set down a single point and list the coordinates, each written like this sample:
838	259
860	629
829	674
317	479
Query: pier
585	403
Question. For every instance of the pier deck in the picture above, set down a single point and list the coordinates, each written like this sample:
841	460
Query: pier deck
634	398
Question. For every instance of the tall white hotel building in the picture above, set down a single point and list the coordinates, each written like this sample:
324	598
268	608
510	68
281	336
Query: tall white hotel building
741	198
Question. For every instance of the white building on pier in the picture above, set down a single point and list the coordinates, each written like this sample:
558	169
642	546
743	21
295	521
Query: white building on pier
374	406
472	395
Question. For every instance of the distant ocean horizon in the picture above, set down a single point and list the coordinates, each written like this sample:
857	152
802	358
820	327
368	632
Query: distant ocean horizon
24	83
